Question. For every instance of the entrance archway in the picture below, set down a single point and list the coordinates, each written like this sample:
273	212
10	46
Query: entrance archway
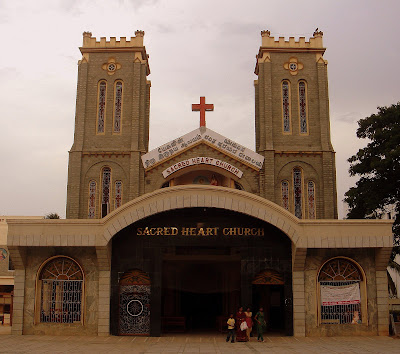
201	262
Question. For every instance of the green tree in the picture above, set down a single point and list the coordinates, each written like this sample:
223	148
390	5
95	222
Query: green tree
378	165
52	216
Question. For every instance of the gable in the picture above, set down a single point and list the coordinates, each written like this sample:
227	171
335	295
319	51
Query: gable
206	136
202	160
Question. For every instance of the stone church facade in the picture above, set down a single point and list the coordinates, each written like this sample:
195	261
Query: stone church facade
176	238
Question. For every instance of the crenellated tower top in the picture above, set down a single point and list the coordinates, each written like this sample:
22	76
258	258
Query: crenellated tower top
269	44
92	42
314	42
134	44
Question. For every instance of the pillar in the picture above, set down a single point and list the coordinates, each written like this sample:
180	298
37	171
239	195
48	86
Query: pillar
103	260
18	304
382	302
299	310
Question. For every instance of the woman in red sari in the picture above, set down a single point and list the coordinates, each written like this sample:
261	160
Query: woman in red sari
240	318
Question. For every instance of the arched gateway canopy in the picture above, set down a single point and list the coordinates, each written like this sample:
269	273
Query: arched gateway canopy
193	196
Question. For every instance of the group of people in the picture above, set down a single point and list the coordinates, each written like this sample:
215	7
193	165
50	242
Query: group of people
242	325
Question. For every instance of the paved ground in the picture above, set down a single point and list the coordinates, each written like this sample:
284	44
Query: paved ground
194	344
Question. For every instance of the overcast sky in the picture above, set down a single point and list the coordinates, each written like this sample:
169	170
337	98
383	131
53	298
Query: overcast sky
196	48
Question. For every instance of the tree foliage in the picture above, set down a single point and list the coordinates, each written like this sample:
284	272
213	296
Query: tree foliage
52	216
378	165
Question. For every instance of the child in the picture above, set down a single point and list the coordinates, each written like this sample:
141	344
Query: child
231	328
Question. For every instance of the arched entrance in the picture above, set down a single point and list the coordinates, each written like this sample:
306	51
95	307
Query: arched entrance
201	262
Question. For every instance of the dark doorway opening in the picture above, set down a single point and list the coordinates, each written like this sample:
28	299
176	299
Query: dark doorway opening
201	310
199	295
272	299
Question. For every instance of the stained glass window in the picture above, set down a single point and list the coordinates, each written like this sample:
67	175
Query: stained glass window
105	195
311	199
285	194
118	107
303	107
101	109
297	184
92	200
118	194
61	291
286	106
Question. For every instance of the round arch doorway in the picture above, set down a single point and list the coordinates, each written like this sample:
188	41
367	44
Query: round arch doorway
202	262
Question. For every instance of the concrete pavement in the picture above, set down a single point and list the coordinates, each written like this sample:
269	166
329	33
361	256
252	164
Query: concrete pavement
194	343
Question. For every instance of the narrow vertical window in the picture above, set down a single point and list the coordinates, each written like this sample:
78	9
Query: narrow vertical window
303	107
101	108
285	194
118	194
286	106
297	189
105	195
311	199
92	200
118	107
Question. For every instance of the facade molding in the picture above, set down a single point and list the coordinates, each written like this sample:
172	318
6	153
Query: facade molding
303	233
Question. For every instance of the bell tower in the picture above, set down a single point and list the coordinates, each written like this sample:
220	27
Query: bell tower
293	128
111	126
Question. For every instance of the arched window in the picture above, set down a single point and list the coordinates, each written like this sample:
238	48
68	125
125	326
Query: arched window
118	194
286	106
101	107
92	200
297	190
285	194
117	106
61	287
105	191
340	293
311	199
303	109
238	186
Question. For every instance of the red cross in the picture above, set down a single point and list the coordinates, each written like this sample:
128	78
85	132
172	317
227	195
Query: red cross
202	107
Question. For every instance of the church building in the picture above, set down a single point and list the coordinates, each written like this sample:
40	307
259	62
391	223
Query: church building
178	237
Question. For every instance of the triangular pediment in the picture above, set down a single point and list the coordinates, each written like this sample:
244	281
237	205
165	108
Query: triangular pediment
206	136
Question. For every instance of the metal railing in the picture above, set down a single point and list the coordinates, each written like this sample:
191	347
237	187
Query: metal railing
61	301
341	313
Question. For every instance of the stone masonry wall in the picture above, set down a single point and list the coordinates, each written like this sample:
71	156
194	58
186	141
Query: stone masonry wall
120	151
313	151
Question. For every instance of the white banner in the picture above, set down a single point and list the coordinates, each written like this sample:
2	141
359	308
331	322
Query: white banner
340	295
202	161
176	146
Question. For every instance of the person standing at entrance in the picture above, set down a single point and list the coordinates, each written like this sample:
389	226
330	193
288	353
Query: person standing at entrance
260	324
240	323
231	328
249	322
